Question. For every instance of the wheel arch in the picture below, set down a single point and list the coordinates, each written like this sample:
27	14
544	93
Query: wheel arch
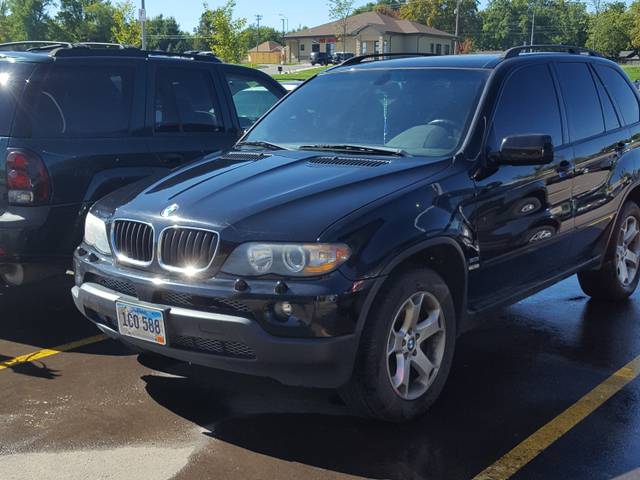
443	255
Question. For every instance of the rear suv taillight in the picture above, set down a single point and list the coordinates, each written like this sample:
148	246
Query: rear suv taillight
27	179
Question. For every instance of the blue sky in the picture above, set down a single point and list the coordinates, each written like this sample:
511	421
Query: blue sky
299	12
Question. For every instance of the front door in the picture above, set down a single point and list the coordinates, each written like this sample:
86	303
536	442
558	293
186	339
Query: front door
522	214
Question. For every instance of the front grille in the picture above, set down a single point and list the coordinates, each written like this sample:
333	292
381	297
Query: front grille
120	286
348	162
133	241
187	248
214	304
217	347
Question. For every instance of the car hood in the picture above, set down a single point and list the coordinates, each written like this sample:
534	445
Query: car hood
277	196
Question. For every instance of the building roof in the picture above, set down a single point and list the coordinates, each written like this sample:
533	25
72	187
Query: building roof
379	21
268	46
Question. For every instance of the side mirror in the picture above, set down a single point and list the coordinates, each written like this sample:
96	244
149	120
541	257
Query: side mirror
525	150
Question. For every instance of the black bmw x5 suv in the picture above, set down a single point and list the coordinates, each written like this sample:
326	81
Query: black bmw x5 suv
348	243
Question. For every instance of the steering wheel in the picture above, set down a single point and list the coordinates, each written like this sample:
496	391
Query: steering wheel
450	126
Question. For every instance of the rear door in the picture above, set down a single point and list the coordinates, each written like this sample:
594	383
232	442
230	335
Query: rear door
187	114
251	94
598	134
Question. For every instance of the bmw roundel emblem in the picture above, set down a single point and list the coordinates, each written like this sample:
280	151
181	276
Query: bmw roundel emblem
170	210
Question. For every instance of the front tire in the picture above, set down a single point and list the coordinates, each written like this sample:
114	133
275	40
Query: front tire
406	348
618	277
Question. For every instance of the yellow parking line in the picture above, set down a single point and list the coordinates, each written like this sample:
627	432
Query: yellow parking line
530	448
47	352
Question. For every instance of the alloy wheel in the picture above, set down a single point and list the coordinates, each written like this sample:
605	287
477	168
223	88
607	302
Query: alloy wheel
415	345
628	251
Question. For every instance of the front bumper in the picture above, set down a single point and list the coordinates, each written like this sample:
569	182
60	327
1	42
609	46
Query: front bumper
229	342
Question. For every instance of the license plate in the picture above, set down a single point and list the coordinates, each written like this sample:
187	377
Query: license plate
141	322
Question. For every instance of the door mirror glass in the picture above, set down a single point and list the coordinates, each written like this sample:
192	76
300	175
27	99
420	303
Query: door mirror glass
526	150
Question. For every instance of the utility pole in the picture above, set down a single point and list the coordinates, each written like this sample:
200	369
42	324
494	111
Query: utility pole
258	18
455	43
143	21
533	25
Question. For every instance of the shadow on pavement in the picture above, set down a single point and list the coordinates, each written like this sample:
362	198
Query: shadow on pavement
43	315
521	368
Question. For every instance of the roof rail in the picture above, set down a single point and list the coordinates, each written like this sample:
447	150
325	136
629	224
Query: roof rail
35	45
86	51
381	56
516	51
106	45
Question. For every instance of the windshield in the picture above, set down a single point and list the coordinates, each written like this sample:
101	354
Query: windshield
419	111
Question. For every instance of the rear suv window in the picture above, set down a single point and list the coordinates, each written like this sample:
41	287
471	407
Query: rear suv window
621	92
13	79
82	101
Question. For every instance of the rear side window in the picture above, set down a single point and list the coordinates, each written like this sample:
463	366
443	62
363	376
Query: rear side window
185	101
251	97
611	121
13	79
581	100
528	105
621	92
83	101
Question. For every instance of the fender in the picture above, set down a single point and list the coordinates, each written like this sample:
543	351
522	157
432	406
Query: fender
379	281
107	181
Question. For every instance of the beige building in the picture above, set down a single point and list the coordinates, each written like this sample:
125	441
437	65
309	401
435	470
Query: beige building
369	32
266	52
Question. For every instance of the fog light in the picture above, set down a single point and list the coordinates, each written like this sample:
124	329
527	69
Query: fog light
284	309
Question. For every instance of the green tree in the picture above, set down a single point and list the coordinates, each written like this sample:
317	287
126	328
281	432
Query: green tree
386	7
251	36
441	14
126	28
84	20
634	11
223	32
29	19
163	33
5	27
339	11
611	30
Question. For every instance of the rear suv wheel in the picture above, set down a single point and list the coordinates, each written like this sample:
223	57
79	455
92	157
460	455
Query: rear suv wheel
406	348
618	277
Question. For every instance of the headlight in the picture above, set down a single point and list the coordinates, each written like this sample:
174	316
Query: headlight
95	234
286	259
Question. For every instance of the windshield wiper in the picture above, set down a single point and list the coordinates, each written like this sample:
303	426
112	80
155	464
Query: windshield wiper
397	152
260	143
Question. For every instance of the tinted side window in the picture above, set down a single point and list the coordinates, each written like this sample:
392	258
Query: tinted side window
83	101
621	92
611	121
185	101
581	99
528	105
251	96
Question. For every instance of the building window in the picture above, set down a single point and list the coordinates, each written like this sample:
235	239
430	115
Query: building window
302	47
376	46
446	49
386	46
363	48
439	49
432	48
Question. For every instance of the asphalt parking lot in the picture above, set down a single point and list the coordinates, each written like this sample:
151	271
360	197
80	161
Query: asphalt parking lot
100	411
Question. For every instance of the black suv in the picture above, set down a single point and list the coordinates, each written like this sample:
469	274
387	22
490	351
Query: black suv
340	57
319	58
348	243
78	122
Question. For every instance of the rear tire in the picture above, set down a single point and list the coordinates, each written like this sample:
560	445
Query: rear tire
406	348
618	277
